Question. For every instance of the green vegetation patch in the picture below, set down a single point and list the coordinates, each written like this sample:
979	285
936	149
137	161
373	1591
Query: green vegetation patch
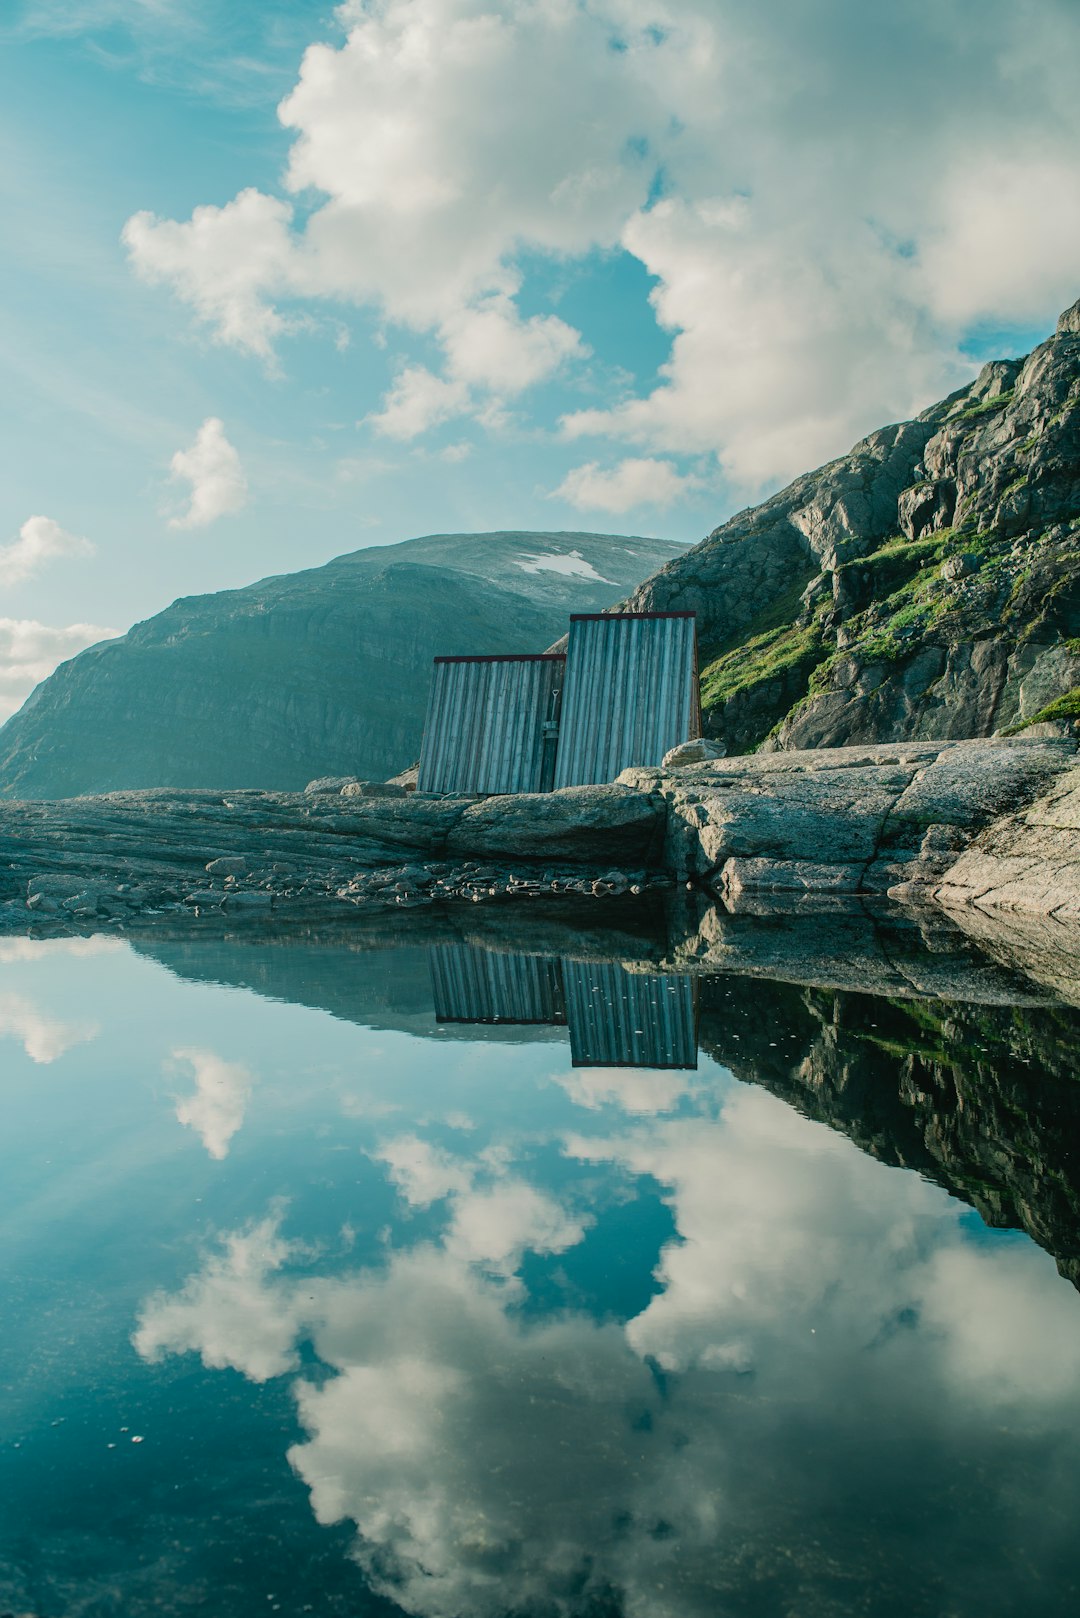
987	407
760	658
1063	707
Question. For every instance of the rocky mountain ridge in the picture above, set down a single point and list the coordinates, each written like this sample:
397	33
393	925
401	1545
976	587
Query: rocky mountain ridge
925	586
323	671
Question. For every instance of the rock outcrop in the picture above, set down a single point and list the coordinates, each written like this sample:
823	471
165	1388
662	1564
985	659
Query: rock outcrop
844	820
925	586
835	822
1028	861
128	855
324	672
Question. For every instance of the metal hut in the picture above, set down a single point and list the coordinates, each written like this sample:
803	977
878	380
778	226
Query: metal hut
631	693
492	724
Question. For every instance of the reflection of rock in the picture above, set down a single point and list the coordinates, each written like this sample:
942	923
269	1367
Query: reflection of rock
980	1098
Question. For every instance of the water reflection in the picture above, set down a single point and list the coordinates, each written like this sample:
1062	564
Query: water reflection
222	1091
828	1349
471	1315
616	1017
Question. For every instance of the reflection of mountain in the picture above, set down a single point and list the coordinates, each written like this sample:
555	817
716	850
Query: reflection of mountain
982	1099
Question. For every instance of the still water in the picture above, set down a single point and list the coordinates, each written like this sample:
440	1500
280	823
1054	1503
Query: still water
357	1281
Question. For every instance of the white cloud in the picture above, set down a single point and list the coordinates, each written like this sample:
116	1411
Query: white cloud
633	1089
40	541
222	1091
418	401
44	1038
842	195
634	482
212	466
29	652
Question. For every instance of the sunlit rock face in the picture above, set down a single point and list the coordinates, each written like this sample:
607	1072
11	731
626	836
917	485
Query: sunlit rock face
311	674
923	586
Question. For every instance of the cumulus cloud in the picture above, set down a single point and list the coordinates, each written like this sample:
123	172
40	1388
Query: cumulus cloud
222	1091
825	196
29	652
634	482
40	541
212	467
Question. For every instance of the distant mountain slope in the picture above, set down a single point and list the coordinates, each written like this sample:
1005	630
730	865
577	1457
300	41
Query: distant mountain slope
316	673
927	585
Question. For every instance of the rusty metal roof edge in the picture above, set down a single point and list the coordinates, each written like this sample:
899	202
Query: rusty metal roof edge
505	657
590	617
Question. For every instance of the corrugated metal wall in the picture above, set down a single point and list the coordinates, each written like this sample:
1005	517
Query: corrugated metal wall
628	1019
485	724
631	693
616	1018
476	985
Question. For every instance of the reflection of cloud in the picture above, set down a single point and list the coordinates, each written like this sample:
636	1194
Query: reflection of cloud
777	1217
494	1462
1008	1325
423	1173
14	950
44	1039
230	1314
222	1090
491	1223
634	1089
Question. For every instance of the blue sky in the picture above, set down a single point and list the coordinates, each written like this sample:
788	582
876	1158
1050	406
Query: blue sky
280	281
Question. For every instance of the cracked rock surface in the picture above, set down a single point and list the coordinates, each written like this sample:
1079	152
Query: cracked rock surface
845	820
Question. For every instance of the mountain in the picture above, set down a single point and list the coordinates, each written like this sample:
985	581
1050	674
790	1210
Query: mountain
316	673
927	585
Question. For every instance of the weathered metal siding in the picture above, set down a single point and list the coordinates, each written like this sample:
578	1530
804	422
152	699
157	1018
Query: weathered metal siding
628	1019
485	723
631	693
477	985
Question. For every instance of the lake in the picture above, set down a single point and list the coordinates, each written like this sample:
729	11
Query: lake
455	1274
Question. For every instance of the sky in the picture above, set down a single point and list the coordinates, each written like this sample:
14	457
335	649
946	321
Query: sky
281	280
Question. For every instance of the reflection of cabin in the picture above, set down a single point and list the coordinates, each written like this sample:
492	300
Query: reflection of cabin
616	1018
625	692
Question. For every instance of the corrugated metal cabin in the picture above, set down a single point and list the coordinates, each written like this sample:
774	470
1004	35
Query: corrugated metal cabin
492	724
629	1019
482	986
616	1018
631	693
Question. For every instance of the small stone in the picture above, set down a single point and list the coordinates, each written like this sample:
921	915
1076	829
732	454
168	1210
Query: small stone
696	751
228	865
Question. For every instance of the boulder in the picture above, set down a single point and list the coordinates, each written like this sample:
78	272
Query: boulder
373	789
407	779
696	751
229	865
583	825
